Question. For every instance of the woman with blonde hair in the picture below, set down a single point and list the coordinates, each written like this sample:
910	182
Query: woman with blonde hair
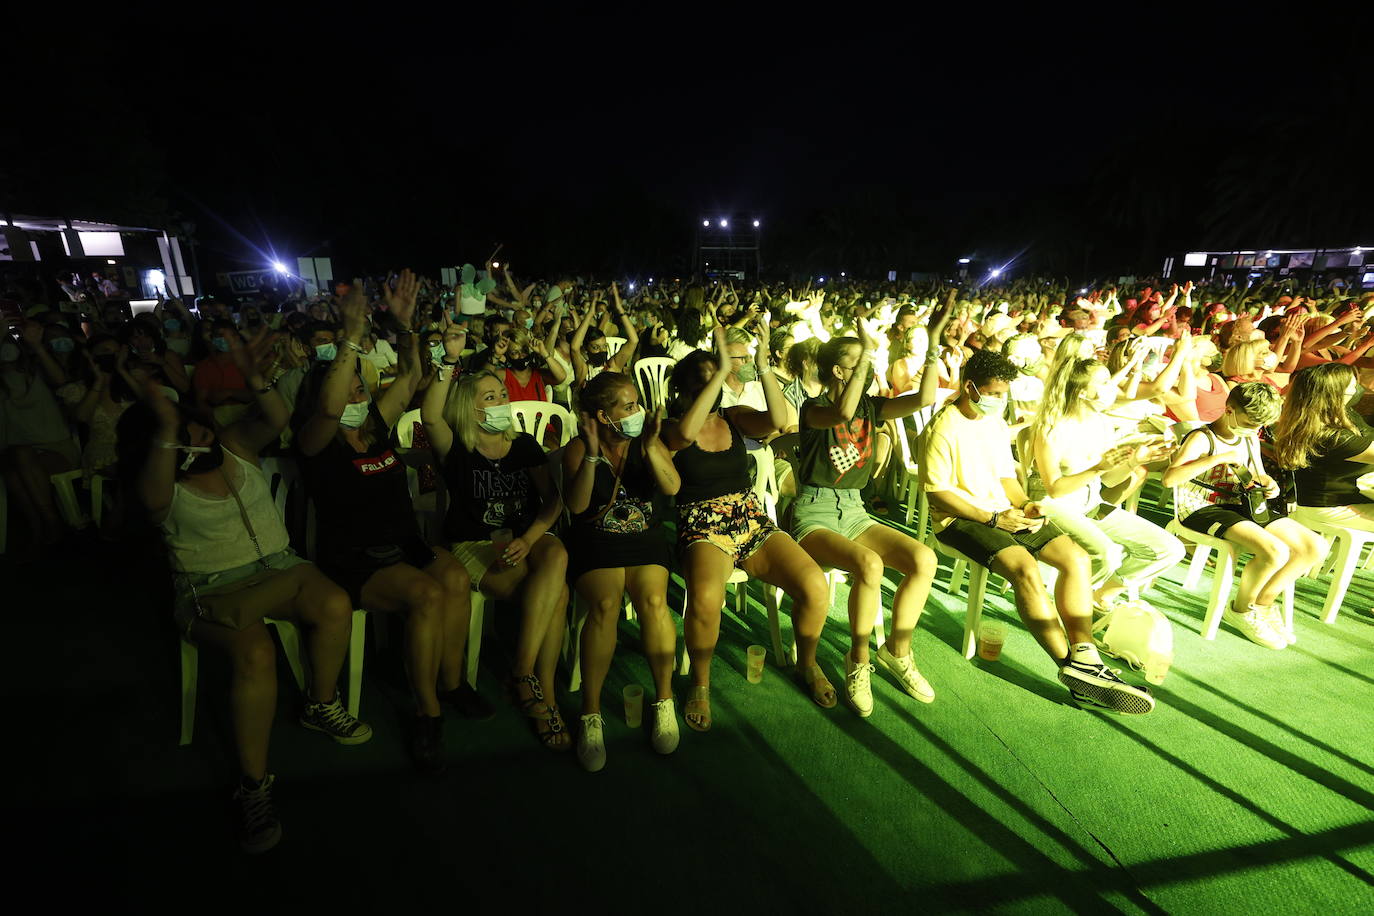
1327	445
502	508
1250	361
1076	461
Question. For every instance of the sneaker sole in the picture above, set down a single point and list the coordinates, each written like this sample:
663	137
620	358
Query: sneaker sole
341	739
901	682
593	766
262	844
1119	698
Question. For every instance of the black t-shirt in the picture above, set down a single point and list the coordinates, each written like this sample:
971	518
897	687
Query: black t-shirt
839	457
487	494
708	475
1329	480
361	498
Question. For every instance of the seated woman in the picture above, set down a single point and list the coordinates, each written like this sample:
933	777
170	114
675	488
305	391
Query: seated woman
234	566
721	523
590	353
1216	474
1327	445
498	482
616	544
523	364
838	435
1075	455
369	540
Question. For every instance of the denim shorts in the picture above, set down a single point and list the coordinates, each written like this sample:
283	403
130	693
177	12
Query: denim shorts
840	511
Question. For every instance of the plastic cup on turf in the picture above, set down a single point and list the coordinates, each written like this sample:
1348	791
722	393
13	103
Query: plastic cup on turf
754	673
991	636
634	705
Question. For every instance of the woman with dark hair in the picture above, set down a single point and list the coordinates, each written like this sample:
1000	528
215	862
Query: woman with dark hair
590	353
722	524
612	474
499	486
369	540
144	339
233	566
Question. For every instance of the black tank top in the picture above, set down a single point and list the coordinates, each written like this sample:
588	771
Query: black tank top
707	475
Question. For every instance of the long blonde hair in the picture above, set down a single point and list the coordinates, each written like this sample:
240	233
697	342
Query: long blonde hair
1063	397
1241	358
462	404
1313	414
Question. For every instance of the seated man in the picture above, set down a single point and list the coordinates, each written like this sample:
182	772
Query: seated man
980	510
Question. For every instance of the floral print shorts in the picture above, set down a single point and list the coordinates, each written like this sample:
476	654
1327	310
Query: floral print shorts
735	522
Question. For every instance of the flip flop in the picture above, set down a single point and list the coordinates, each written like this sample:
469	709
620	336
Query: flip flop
699	706
820	687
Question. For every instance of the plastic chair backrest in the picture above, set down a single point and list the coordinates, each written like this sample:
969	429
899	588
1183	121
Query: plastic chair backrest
534	417
765	478
405	428
651	373
613	345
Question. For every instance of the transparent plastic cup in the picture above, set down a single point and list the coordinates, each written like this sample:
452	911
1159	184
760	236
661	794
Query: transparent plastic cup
991	636
634	705
754	673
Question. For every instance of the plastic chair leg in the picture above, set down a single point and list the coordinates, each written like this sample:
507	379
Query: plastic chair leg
772	602
64	485
357	641
475	635
97	498
685	662
574	645
190	673
956	576
1221	593
1288	612
1347	554
977	588
1196	567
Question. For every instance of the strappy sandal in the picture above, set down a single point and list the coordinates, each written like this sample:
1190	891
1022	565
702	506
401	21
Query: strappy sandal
556	737
533	706
698	706
822	691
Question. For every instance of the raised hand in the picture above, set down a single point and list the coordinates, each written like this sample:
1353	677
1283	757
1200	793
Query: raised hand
718	335
251	358
353	306
871	333
590	437
401	301
165	411
648	439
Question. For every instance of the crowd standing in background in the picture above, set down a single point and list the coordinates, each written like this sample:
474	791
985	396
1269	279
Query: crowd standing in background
707	431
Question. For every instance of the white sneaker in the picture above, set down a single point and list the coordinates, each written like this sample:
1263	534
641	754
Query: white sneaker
858	681
1279	625
1254	625
905	669
665	726
591	746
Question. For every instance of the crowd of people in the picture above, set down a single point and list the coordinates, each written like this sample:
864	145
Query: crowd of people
1033	414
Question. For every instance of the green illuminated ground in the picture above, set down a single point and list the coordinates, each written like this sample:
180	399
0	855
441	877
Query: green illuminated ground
1249	789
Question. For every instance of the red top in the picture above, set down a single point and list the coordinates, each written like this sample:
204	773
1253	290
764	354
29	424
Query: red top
531	391
217	375
1211	404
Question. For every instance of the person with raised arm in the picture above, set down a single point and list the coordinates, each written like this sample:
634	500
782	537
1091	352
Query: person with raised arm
612	474
837	457
590	353
233	566
722	523
502	509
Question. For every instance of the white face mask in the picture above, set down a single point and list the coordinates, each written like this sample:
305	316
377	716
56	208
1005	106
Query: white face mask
630	426
989	405
498	418
354	415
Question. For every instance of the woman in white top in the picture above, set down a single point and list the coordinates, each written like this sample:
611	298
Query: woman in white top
1075	455
199	487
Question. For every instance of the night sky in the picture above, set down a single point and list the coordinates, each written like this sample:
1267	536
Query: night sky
597	144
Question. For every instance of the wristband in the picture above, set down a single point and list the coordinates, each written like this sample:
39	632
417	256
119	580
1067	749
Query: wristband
173	445
992	522
403	333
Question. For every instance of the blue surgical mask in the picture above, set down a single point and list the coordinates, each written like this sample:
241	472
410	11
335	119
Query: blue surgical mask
325	353
62	344
630	426
354	414
171	324
498	418
989	405
529	323
220	344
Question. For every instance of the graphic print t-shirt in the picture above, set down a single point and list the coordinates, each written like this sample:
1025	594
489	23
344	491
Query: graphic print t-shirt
839	457
486	494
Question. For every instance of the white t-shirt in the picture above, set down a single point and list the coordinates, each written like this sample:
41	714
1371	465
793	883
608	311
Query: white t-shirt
382	355
1081	444
751	395
969	458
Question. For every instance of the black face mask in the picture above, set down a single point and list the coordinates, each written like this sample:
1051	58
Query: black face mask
106	361
519	364
598	358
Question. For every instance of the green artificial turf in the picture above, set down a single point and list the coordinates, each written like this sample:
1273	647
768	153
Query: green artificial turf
1249	789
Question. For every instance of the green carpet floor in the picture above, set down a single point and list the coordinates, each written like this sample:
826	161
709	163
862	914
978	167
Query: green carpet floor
1249	789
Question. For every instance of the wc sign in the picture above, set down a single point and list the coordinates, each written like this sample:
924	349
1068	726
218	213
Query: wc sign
246	281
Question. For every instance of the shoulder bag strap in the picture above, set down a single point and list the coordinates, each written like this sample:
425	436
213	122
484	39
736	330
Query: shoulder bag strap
243	513
615	487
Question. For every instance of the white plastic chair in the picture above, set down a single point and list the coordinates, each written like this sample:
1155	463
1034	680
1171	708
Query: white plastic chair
405	428
909	490
534	417
613	345
1221	578
64	487
652	375
1349	543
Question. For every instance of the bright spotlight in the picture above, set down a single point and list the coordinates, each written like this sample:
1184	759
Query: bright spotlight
724	223
997	271
1083	292
963	260
109	260
495	263
841	273
706	223
632	287
279	267
822	280
756	224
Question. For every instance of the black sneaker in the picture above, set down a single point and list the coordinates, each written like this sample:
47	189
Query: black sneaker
1098	686
427	744
332	719
259	829
469	703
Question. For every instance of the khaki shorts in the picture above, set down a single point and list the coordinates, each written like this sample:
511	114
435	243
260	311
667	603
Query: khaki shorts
479	556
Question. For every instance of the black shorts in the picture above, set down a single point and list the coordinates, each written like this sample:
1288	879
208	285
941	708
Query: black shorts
980	543
1215	521
351	569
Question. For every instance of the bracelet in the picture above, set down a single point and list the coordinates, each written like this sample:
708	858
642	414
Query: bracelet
352	346
167	444
992	522
401	333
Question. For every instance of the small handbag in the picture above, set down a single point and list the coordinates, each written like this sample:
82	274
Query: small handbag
629	518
